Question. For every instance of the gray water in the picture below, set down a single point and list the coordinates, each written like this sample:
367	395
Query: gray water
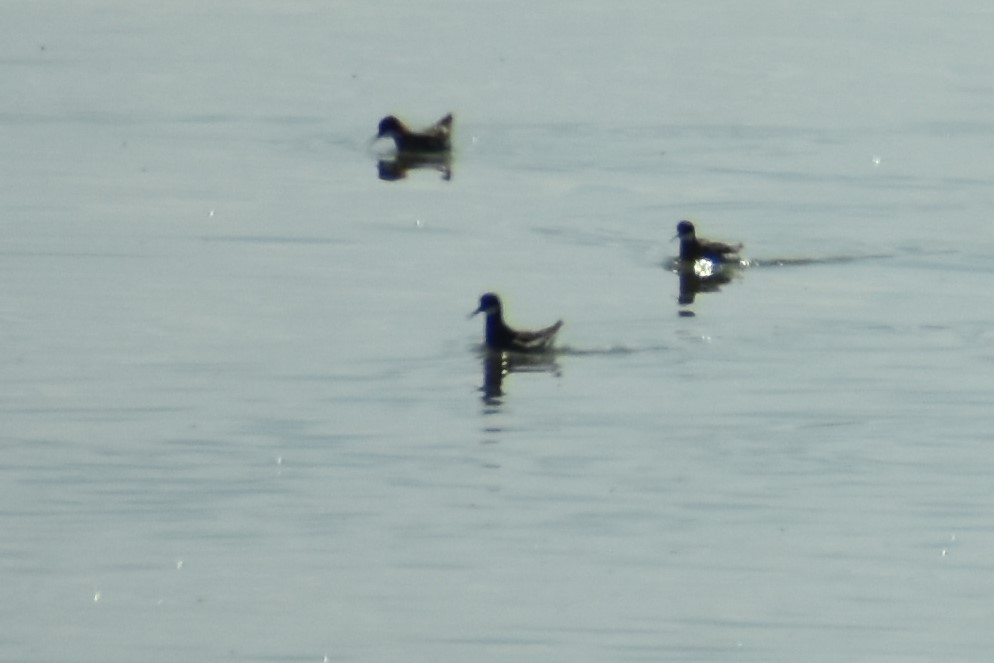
245	416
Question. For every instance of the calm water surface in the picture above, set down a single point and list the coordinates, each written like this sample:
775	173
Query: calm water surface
245	417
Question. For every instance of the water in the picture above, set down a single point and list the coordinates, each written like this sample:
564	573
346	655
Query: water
245	416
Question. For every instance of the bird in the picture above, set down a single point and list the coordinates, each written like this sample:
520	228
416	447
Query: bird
434	139
693	249
501	337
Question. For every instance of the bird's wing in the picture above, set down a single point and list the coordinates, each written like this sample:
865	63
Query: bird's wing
534	340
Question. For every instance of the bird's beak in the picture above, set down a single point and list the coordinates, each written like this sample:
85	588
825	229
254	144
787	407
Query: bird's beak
479	310
676	236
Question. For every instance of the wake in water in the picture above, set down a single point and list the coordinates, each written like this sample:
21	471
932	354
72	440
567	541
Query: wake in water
608	350
800	262
704	275
531	361
706	268
498	364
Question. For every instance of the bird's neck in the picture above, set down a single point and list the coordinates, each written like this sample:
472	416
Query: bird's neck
497	332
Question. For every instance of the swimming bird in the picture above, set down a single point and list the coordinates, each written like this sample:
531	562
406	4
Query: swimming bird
435	138
501	337
692	248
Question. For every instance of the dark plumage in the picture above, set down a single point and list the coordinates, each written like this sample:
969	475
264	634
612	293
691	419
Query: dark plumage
693	248
435	138
501	337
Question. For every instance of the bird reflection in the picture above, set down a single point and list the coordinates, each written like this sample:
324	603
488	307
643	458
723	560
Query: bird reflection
498	364
396	166
698	276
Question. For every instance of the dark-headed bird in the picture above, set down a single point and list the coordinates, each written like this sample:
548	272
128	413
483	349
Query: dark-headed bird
693	248
501	337
434	139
